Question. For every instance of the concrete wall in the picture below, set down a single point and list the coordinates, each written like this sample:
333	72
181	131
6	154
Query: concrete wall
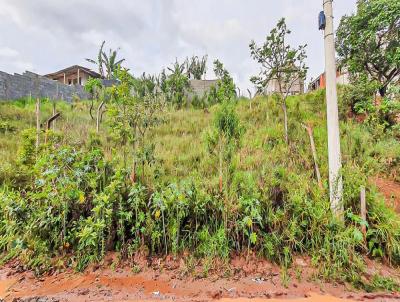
200	87
273	87
343	79
31	84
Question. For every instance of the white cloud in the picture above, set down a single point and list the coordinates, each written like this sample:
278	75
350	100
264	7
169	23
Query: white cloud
48	35
12	61
22	65
8	52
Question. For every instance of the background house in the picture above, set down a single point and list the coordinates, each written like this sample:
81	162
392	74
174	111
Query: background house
342	77
74	75
65	84
273	87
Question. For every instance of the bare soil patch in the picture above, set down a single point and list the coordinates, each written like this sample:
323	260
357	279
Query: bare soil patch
390	190
168	279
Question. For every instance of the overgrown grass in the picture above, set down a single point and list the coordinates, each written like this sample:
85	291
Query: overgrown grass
73	199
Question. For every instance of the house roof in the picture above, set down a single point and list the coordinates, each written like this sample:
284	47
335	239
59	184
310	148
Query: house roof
73	69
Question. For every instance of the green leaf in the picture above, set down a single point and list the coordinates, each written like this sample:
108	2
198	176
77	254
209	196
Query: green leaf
253	238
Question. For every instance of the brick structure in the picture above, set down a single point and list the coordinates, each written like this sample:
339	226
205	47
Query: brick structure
342	77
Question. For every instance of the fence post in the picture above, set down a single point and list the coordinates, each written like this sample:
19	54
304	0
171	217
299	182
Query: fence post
54	113
363	207
37	123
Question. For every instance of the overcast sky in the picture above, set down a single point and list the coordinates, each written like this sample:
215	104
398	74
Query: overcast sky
48	35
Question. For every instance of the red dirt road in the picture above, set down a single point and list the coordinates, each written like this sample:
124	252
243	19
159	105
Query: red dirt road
168	280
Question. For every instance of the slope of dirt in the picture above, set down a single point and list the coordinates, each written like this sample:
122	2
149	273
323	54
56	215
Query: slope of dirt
390	190
168	280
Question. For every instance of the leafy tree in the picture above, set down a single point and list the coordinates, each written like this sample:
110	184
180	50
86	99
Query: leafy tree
107	64
225	89
177	84
280	63
145	84
358	96
162	82
369	41
101	93
131	117
93	87
104	98
196	68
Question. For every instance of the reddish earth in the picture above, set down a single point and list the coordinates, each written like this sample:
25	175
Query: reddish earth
172	280
390	190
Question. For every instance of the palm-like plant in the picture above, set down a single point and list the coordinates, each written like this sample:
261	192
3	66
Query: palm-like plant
177	69
177	83
107	64
196	67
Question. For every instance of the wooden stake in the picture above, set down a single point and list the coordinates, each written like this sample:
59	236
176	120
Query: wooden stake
314	153
220	170
49	123
54	113
37	123
363	207
249	92
52	120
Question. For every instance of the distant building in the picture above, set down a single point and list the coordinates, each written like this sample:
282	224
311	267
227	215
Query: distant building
200	87
29	84
342	77
74	75
296	88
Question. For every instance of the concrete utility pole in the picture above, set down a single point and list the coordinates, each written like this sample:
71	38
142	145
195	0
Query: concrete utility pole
335	178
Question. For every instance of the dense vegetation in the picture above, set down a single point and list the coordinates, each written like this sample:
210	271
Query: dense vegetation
144	168
368	42
213	183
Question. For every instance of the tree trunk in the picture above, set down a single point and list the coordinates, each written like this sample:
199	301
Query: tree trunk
133	172
98	116
90	109
314	153
285	121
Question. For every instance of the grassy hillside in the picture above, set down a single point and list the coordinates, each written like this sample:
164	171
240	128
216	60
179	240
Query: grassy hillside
180	144
73	200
